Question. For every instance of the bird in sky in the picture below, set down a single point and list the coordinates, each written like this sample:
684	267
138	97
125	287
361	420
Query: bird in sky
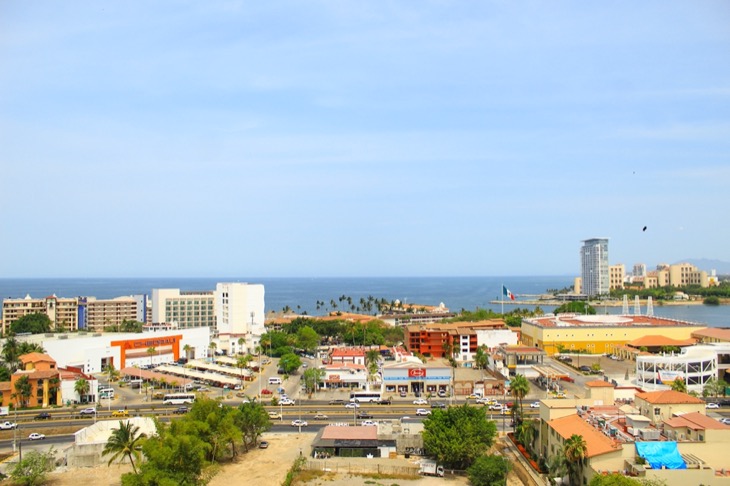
644	228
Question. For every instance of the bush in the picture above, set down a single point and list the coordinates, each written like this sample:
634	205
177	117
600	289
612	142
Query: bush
711	300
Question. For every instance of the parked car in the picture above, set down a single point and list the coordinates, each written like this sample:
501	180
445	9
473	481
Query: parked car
420	401
712	405
263	445
42	416
299	423
725	421
36	436
585	368
423	411
181	410
442	393
88	411
320	416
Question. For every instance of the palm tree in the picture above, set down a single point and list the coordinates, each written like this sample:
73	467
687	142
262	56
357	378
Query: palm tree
519	388
82	387
124	442
240	344
679	385
151	351
23	390
187	348
575	450
481	358
211	348
242	363
371	361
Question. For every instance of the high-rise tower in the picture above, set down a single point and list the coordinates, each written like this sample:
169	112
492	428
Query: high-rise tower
594	266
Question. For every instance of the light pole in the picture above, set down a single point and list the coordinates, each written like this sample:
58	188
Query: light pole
250	330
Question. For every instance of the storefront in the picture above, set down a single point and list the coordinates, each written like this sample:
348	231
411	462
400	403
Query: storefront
417	379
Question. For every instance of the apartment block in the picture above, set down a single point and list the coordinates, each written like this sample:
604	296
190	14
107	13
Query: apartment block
63	312
96	314
617	274
186	309
594	267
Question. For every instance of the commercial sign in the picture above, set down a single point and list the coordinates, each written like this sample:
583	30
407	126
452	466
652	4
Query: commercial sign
417	372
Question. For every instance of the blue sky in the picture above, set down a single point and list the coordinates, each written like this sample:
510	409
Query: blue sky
335	138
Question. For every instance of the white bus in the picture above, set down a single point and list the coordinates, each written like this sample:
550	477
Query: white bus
365	396
178	398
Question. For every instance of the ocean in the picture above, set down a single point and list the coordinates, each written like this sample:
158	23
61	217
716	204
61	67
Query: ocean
302	294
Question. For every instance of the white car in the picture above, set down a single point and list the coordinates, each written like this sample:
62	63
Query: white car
287	401
535	405
423	411
88	411
496	406
36	436
420	401
299	423
352	405
712	405
725	421
484	401
368	423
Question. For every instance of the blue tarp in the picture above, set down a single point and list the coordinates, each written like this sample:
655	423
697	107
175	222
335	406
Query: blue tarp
659	454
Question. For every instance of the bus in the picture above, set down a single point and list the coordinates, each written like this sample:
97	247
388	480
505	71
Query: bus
178	398
365	396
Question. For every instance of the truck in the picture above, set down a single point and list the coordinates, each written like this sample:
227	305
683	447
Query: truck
4	411
8	426
431	468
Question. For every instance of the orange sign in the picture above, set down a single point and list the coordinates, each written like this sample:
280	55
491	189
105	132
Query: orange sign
145	343
334	377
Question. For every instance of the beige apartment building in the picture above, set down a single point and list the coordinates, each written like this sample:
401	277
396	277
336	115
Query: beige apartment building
679	275
101	313
63	312
616	275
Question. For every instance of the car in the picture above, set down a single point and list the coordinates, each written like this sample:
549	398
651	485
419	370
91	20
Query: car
495	406
299	423
352	405
337	402
304	365
181	410
266	392
263	445
535	405
36	436
368	423
712	405
274	415
320	416
287	401
88	411
725	421
385	401
42	416
585	368
120	413
420	401
403	393
364	415
442	393
484	400
438	405
423	411
474	396
8	426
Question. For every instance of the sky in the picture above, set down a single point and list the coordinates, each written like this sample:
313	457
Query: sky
360	138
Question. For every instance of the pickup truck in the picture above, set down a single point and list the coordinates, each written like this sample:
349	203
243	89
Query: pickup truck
8	426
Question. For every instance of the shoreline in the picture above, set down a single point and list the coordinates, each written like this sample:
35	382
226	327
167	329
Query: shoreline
643	303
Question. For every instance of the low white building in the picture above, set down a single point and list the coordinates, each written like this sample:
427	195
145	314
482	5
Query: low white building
89	442
696	365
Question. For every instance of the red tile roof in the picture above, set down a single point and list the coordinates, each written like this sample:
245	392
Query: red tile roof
36	358
667	397
720	333
696	421
596	442
598	384
658	340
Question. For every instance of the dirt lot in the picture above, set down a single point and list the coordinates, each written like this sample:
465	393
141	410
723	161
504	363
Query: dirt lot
267	467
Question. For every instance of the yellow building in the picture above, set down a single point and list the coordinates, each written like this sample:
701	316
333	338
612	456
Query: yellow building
616	274
62	311
598	334
658	406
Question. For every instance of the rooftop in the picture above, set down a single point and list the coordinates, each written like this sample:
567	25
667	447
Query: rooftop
721	333
596	442
599	384
668	397
696	421
333	432
601	320
659	340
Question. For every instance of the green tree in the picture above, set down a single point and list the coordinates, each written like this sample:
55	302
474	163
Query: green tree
124	442
11	353
151	352
679	385
253	420
490	470
23	391
32	323
372	356
290	362
311	378
577	307
32	469
519	387
307	339
575	450
713	387
242	363
456	436
481	358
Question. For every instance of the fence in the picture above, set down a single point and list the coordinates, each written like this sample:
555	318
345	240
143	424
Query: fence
336	466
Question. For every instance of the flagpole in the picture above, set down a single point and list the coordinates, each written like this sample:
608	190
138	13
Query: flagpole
502	300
